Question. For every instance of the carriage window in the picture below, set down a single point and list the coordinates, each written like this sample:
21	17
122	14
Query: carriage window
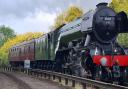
19	50
29	48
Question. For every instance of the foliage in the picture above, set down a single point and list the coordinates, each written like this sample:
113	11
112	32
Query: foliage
18	39
121	5
5	34
69	15
72	13
60	19
123	39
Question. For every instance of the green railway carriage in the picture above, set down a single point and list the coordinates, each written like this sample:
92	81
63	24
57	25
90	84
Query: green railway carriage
45	49
45	46
40	47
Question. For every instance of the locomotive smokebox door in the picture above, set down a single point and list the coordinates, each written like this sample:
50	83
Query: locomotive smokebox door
104	26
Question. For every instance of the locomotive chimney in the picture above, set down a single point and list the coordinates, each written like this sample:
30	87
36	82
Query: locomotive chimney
103	4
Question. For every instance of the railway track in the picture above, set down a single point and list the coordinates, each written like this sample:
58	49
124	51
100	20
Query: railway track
8	81
73	80
17	80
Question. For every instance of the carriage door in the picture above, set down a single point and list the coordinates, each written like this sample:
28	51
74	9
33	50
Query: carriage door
48	46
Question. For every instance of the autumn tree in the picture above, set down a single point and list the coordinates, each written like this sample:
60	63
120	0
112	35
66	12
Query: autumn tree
60	19
4	50
121	5
72	13
67	16
123	39
5	34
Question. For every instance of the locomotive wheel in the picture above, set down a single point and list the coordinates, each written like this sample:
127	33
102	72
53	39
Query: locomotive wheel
78	71
67	71
122	76
126	74
98	73
103	75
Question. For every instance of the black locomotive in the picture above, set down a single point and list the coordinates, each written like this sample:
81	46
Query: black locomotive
86	45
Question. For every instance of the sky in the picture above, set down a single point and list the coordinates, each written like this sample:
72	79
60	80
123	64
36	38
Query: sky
37	15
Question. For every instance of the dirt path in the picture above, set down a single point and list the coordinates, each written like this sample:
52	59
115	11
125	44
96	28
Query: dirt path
10	82
22	81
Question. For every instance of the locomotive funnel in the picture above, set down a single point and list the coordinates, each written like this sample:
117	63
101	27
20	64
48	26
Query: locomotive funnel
101	4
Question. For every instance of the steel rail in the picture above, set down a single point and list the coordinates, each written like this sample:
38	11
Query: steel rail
83	81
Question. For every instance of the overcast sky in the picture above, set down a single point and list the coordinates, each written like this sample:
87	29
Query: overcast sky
37	15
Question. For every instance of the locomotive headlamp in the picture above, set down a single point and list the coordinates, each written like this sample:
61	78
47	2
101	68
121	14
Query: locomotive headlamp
115	50
103	61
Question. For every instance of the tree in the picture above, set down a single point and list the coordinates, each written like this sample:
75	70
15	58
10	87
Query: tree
72	13
4	50
123	39
121	5
60	19
69	15
5	34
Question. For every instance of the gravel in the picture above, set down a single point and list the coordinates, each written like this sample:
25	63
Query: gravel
22	81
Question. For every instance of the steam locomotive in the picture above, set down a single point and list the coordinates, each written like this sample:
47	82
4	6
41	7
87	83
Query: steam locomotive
63	50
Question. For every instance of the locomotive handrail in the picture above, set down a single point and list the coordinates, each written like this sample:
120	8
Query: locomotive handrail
84	81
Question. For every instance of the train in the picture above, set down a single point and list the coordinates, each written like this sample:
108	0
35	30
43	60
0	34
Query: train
84	46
